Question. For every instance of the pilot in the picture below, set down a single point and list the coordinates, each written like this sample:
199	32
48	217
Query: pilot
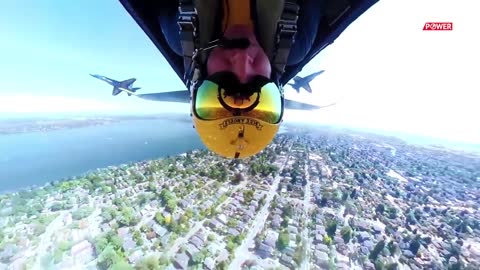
238	106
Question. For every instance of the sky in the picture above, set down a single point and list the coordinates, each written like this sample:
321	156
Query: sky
384	72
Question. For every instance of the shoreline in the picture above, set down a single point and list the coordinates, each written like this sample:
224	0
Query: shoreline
12	126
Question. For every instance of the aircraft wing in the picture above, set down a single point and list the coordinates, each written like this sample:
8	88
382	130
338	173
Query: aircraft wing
103	78
296	105
313	75
174	96
184	97
307	87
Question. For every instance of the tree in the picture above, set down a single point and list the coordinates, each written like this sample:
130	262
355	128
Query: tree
331	228
346	233
391	266
376	250
283	241
138	238
232	222
379	265
38	229
163	260
108	213
56	206
108	258
82	213
248	196
380	208
121	265
171	205
237	178
126	217
285	222
159	218
327	240
287	211
148	263
230	245
414	245
393	248
101	243
211	237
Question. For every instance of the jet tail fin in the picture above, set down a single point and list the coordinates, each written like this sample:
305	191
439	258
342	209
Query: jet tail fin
116	91
133	90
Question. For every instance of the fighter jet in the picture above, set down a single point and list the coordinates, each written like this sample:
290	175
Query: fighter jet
304	83
118	87
183	96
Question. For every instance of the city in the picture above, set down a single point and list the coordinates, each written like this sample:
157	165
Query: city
311	200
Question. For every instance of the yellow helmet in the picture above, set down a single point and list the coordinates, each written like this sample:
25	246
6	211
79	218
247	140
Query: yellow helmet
236	120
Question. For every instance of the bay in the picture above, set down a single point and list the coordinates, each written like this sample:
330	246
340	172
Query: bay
36	158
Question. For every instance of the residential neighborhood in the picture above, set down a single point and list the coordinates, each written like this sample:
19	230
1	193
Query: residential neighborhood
311	200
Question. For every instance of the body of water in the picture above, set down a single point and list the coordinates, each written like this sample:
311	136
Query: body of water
39	157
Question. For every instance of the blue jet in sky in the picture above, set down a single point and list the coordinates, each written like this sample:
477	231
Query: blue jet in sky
299	82
118	87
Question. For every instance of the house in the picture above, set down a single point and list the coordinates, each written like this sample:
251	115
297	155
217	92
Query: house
122	232
362	225
150	235
363	236
342	266
264	251
209	263
377	229
293	230
191	250
321	259
290	251
338	240
322	247
223	255
250	213
318	238
128	242
105	227
144	212
181	261
159	230
214	248
135	257
197	241
215	224
271	238
287	261
320	229
233	232
276	221
368	244
185	203
240	226
222	218
82	252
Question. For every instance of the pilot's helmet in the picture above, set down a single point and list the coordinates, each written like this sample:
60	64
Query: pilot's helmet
237	120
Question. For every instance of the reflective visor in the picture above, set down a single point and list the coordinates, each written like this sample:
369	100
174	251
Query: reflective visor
265	104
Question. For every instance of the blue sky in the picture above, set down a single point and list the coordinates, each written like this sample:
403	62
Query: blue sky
384	71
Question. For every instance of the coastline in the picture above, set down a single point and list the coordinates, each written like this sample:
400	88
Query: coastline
28	124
